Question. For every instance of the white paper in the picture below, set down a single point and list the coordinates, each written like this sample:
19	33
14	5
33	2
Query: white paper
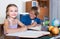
29	34
36	28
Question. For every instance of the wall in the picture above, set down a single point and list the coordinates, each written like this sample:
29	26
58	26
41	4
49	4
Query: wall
58	9
54	9
4	3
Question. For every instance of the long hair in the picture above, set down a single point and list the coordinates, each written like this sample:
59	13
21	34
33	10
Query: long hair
8	9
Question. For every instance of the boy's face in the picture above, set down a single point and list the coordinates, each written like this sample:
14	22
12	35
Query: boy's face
12	11
32	14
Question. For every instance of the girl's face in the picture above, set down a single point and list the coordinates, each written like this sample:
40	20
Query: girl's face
12	11
32	14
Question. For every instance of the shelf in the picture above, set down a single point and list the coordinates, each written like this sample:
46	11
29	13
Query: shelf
43	3
43	12
43	8
43	0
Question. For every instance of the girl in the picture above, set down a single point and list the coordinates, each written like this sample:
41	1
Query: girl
11	22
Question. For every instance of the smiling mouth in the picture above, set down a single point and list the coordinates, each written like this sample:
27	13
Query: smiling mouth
14	15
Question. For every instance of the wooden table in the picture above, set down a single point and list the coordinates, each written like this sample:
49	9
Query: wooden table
26	34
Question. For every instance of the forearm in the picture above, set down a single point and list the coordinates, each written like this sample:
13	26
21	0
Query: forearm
12	30
23	29
32	25
17	30
29	26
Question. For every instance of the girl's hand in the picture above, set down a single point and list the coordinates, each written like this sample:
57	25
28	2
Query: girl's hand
22	29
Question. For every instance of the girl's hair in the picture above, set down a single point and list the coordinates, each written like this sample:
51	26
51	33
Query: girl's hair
35	9
8	7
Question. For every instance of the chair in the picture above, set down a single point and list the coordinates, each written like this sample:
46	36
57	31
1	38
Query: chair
2	35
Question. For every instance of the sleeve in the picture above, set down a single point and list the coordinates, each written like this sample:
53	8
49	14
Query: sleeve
38	20
25	19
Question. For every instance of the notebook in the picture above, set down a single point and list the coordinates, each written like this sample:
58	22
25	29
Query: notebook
38	27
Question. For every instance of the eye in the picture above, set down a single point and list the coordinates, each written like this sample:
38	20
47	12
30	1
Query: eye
11	11
16	10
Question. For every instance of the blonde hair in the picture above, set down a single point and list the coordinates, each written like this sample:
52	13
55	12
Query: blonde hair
35	9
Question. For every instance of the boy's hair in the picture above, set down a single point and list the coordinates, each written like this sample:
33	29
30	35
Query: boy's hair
35	9
8	7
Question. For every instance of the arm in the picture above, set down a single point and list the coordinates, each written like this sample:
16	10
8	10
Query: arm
23	27
36	22
7	29
32	25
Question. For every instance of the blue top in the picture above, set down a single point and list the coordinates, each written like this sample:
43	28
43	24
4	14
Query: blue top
25	19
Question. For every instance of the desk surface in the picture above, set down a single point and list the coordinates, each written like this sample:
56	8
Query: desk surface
29	34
